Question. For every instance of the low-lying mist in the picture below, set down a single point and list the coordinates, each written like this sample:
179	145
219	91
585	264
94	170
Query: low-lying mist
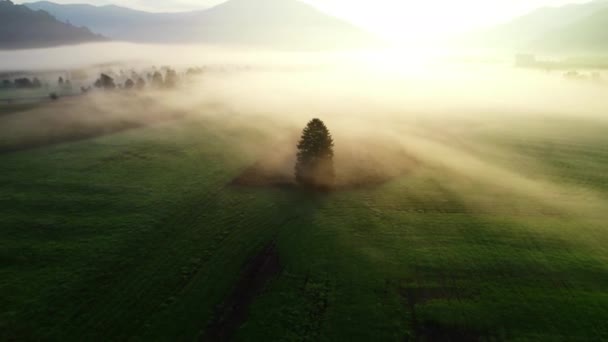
391	113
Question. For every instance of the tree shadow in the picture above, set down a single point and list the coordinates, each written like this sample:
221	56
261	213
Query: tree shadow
297	206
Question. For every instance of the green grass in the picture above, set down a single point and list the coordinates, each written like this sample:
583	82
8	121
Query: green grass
6	109
137	235
34	95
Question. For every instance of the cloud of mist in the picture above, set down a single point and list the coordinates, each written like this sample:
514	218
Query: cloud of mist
390	114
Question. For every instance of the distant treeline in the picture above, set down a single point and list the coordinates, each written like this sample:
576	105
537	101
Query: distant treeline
31	83
586	63
150	78
22	83
165	78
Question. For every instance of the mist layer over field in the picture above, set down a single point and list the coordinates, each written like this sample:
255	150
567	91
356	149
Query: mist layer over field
391	112
469	200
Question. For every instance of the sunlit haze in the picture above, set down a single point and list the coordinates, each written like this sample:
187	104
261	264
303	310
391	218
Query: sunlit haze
393	19
304	170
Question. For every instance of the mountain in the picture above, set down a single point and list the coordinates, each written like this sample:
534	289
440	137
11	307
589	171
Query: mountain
275	23
21	27
111	21
533	31
589	34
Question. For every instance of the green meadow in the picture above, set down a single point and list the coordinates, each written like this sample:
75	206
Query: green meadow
137	232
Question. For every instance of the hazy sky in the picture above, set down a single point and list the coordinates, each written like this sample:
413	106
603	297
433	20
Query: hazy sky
391	18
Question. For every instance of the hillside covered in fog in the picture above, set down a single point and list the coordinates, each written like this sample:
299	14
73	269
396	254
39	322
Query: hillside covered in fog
578	27
21	27
271	23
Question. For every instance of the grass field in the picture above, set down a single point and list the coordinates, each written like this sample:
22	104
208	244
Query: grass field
133	232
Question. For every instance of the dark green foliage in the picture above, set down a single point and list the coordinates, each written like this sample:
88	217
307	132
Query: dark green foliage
157	80
36	83
105	82
171	78
129	84
24	83
194	71
141	84
314	165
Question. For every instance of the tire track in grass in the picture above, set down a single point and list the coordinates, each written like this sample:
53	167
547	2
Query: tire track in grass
255	274
233	312
205	287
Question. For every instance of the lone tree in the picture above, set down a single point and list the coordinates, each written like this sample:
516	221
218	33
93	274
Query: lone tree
315	165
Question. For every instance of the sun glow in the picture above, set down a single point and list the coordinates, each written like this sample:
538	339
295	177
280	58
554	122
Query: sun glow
401	21
420	21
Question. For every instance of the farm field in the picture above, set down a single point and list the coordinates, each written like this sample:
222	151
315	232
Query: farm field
133	229
16	97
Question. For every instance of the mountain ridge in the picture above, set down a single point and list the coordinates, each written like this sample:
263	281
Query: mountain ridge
22	28
587	34
543	29
277	23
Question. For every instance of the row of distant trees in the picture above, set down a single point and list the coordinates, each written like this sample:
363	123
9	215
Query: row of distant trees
31	83
166	78
156	80
22	83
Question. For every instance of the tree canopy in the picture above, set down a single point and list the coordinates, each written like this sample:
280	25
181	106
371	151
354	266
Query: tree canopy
129	84
314	165
157	80
171	78
141	84
105	82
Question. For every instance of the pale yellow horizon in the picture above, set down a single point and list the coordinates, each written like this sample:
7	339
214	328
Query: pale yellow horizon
397	20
